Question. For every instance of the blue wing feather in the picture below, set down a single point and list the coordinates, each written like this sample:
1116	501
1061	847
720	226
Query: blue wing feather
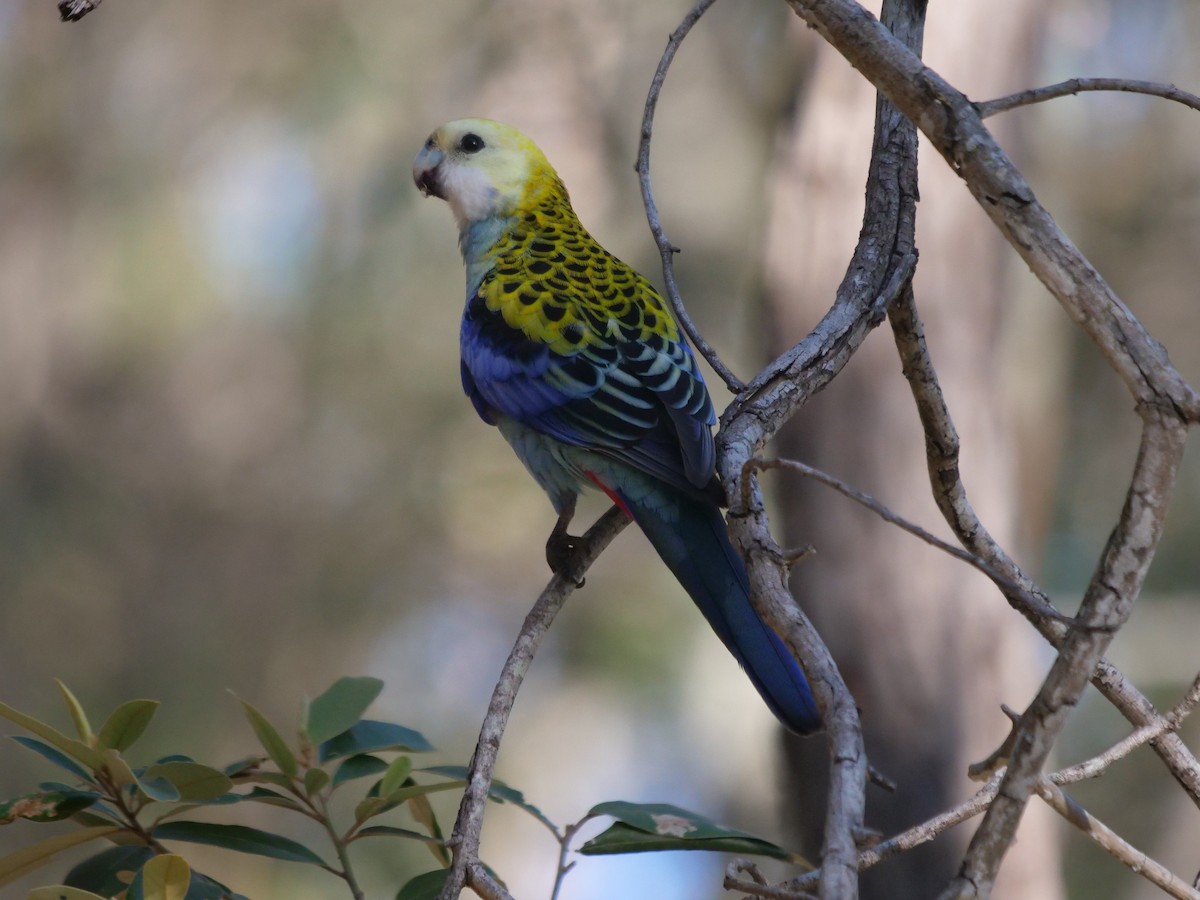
616	396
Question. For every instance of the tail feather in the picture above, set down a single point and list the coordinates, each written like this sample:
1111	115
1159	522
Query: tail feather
690	536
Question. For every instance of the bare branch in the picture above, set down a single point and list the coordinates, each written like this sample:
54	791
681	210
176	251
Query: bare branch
941	450
1106	606
979	802
954	127
881	264
1036	605
918	834
469	824
1170	721
1154	872
757	886
1079	85
665	248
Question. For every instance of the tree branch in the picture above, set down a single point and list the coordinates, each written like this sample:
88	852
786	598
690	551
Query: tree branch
942	452
953	125
665	248
1154	872
466	868
988	108
1105	608
979	802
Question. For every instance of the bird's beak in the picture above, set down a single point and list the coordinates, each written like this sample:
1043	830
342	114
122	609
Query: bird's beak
426	172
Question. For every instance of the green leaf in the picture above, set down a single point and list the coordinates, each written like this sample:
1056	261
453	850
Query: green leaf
90	819
27	859
126	723
280	753
644	827
424	887
192	780
395	776
499	792
315	780
340	707
46	807
78	716
360	766
370	806
109	871
165	877
205	888
117	768
239	838
410	792
58	758
421	810
158	788
61	892
393	831
247	766
270	798
78	751
369	736
278	779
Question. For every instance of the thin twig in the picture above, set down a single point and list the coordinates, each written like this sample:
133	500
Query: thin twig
665	248
1154	872
757	886
469	824
918	834
979	802
564	849
1079	85
1036	604
1169	721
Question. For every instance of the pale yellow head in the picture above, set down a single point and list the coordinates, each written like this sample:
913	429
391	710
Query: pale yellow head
482	169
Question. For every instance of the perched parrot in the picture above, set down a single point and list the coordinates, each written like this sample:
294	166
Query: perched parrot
575	358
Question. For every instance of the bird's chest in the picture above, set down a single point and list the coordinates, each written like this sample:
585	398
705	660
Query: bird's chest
560	469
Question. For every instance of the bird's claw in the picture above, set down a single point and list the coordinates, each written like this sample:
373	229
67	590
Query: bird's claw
564	553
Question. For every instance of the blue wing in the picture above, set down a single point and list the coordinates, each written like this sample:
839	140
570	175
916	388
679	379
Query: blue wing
640	401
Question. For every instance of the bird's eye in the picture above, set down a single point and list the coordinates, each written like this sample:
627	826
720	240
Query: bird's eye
471	143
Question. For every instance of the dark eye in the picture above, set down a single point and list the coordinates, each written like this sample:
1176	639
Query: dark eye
471	143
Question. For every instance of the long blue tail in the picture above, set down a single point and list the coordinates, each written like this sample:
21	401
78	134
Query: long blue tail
690	536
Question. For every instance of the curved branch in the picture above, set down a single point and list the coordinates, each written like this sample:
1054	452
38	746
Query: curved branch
953	126
665	248
1071	86
466	868
941	452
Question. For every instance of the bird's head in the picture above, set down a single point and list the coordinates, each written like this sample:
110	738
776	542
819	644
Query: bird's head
481	168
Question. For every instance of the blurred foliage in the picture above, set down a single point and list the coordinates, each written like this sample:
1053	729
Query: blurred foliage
233	447
137	808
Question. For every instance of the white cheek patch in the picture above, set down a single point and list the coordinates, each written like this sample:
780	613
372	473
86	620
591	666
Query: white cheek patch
470	193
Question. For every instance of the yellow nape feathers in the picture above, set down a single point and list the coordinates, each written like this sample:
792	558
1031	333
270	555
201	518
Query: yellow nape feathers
483	169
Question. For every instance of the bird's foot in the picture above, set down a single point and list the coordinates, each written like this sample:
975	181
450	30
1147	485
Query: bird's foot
565	553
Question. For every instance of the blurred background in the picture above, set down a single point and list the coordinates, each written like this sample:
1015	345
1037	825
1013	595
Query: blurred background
234	451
